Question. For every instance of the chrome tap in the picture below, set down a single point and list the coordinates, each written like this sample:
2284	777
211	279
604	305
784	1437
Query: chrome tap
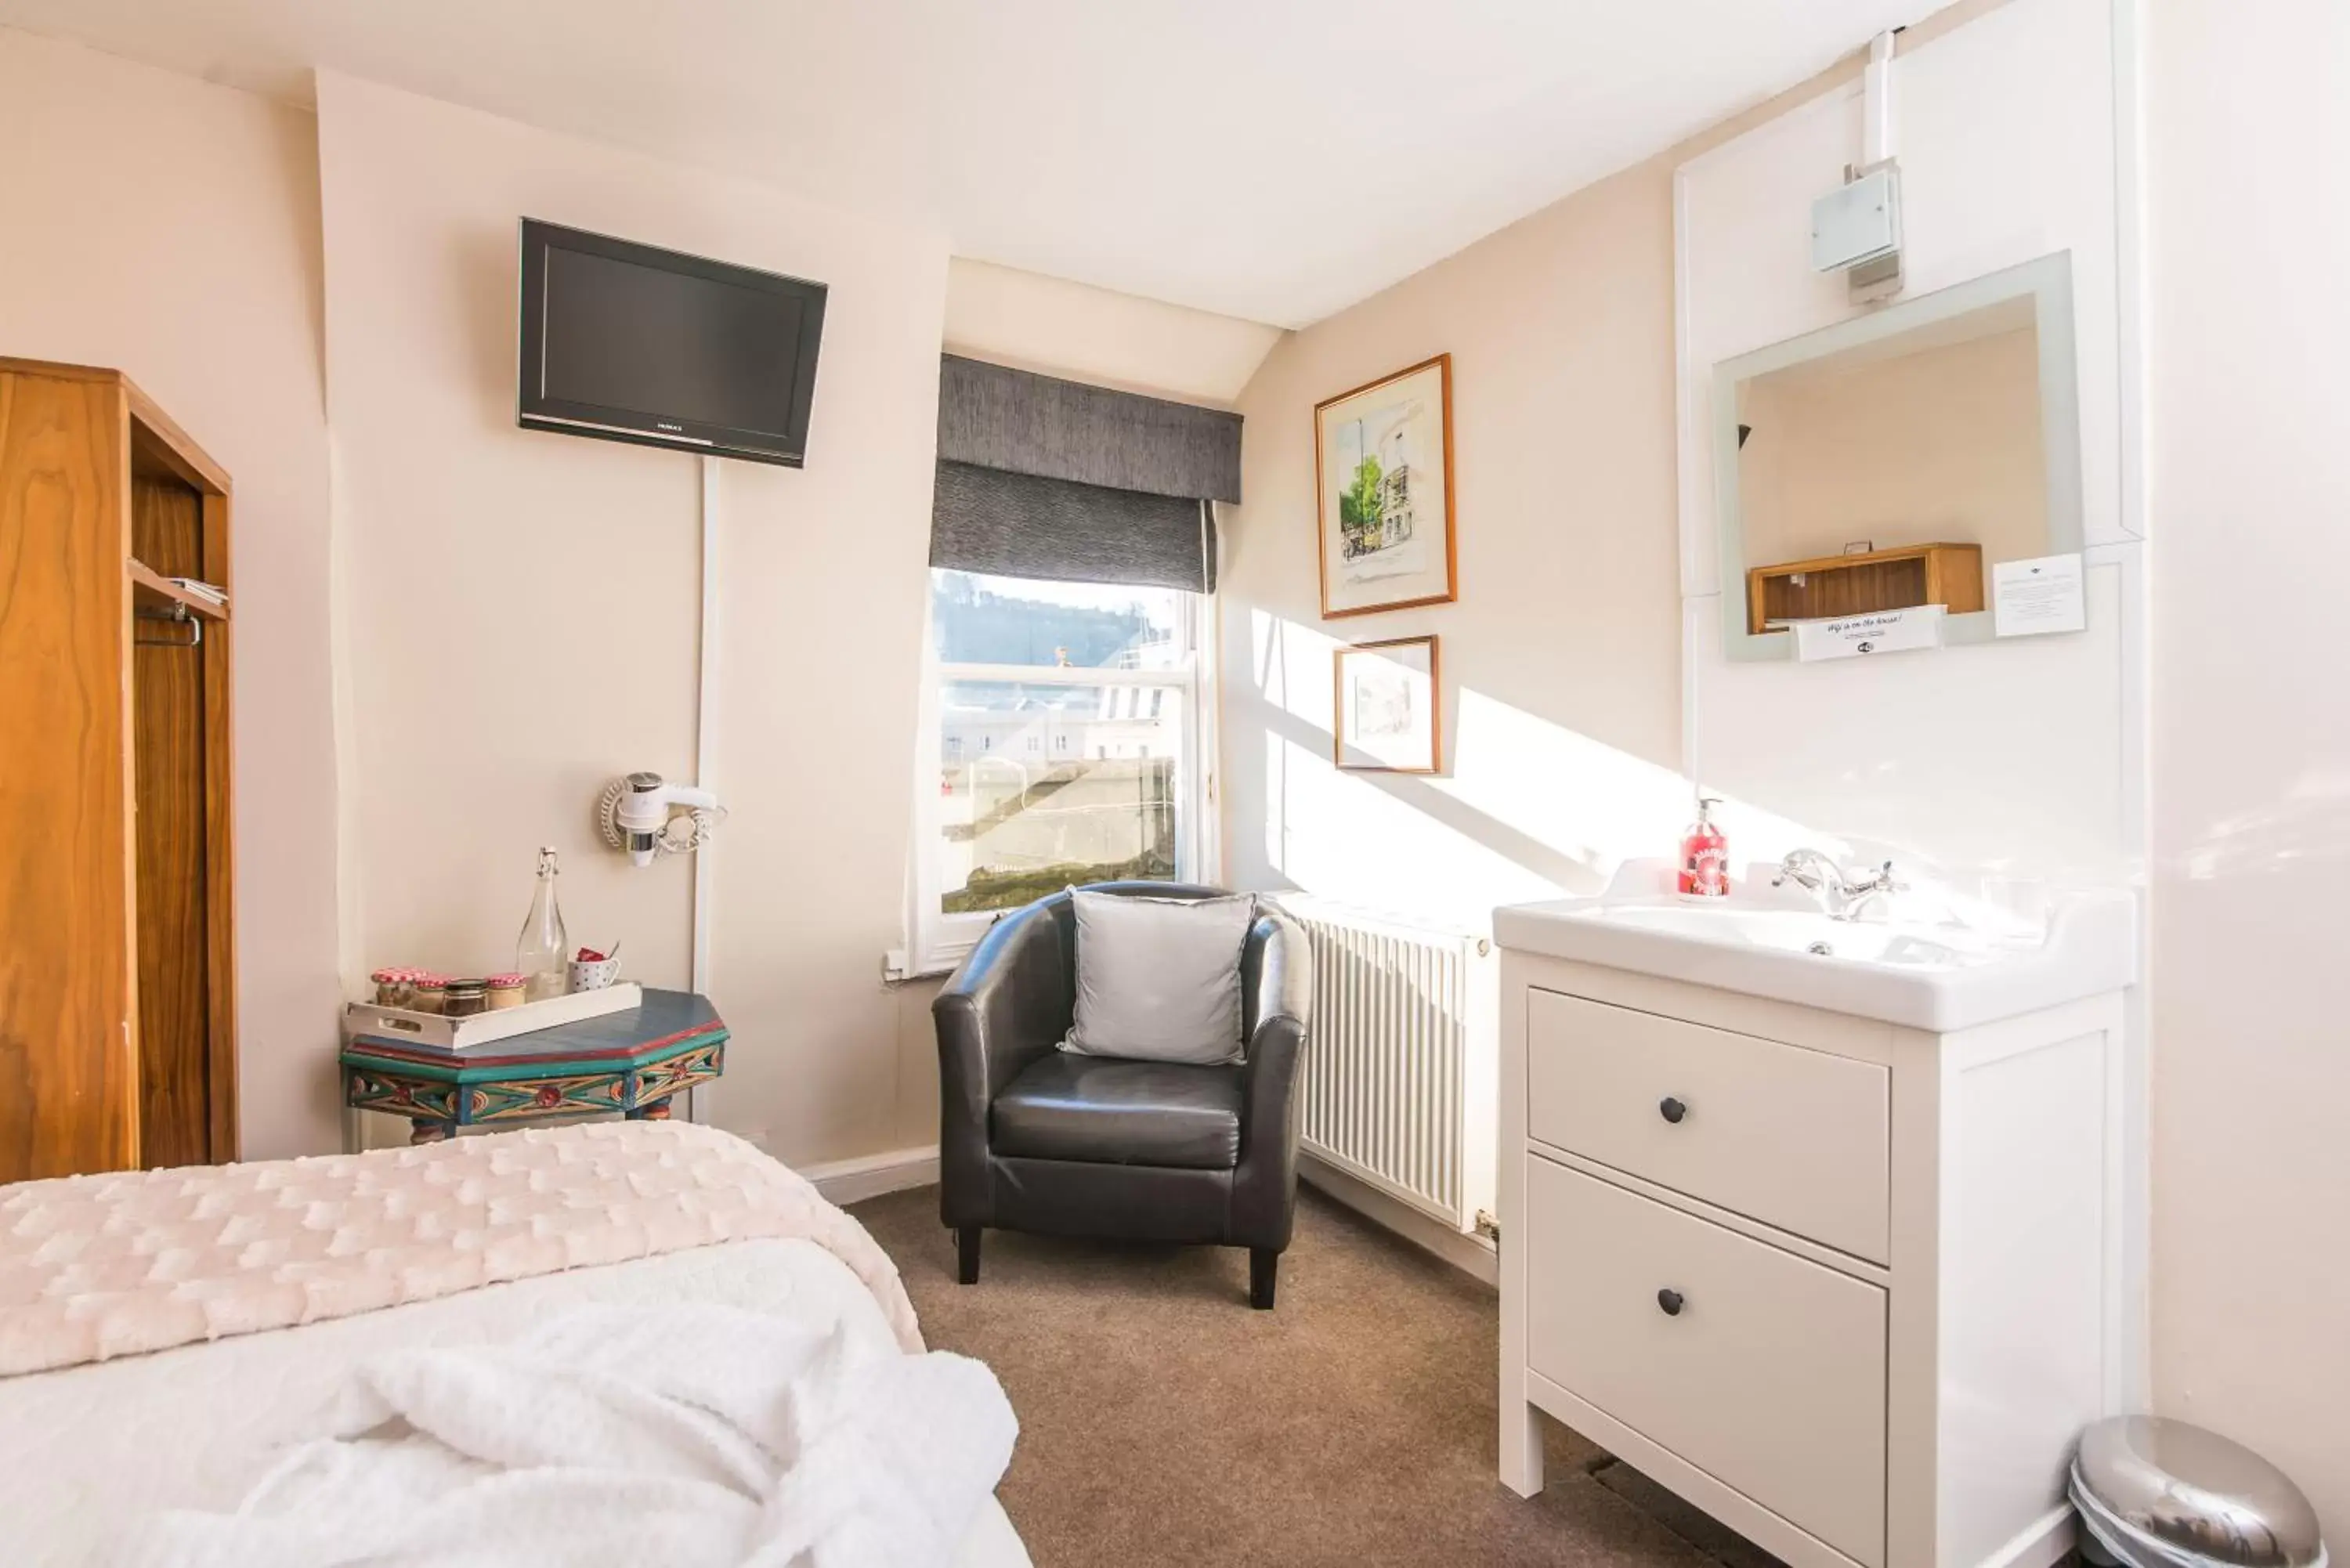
1844	898
1810	869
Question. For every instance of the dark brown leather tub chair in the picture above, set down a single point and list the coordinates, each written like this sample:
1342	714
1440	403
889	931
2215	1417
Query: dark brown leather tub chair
1034	1139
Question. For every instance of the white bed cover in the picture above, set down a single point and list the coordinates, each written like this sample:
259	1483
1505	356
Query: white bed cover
86	1449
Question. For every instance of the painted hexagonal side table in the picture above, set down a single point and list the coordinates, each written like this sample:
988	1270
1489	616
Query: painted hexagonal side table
632	1062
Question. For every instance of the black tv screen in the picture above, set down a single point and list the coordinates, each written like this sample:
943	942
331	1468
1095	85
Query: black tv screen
626	342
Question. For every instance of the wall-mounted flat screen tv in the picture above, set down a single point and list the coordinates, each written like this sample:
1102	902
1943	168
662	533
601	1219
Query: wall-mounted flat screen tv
626	342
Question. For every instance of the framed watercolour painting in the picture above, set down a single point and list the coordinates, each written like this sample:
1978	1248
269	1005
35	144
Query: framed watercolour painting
1387	709
1383	488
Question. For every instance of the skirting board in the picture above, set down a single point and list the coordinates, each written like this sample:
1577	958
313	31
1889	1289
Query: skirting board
871	1175
1472	1254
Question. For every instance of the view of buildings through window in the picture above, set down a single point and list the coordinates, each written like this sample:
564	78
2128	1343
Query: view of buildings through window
1076	772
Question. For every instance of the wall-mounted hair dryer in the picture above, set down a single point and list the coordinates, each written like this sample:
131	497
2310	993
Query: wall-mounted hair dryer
643	818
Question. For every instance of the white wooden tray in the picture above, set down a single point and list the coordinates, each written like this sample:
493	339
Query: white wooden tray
438	1030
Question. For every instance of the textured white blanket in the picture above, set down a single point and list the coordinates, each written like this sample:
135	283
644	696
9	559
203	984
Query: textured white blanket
684	1435
93	1267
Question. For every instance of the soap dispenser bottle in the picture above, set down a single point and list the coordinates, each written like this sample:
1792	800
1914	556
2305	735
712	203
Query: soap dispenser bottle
1705	856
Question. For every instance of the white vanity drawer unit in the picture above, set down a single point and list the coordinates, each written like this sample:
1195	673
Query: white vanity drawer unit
1851	1285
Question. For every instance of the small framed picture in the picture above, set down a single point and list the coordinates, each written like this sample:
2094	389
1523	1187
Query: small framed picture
1388	705
1383	489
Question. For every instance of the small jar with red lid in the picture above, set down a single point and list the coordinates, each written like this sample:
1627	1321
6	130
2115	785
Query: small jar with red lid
506	991
430	992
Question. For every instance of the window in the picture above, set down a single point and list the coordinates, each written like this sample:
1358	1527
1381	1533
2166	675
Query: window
1104	690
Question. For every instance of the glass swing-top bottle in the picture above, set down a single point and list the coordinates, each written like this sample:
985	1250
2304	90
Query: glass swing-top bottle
542	955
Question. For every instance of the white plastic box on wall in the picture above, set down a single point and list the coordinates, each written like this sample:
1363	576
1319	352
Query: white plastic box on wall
1858	222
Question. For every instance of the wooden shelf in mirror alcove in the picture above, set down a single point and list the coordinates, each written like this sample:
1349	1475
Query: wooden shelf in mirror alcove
1946	574
150	589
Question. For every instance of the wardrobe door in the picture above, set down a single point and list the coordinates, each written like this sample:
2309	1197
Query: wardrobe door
168	728
68	1086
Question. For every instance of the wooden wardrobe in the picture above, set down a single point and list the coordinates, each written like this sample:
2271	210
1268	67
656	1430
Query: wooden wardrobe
117	998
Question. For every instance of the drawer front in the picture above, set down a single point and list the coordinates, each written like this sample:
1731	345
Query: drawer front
1792	1137
1770	1377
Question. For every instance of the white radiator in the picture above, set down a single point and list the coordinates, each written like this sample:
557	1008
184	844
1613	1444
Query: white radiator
1402	1063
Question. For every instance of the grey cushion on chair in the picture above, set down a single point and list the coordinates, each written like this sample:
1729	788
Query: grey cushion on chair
1064	1106
1158	979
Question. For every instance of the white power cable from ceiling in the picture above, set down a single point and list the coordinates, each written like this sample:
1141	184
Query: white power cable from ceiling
705	735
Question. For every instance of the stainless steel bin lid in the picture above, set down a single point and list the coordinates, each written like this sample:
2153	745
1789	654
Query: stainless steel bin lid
2196	1494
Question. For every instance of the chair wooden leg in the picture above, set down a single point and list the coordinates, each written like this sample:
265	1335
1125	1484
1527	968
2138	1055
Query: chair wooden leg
967	1254
1264	1265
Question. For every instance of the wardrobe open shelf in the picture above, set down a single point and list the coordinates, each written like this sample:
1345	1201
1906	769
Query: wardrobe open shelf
150	589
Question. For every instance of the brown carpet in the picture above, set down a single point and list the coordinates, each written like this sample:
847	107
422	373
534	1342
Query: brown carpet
1161	1421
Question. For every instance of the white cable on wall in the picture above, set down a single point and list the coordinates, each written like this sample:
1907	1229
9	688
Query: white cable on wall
705	726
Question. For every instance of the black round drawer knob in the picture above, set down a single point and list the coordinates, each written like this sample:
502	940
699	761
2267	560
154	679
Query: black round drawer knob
1670	1301
1672	1109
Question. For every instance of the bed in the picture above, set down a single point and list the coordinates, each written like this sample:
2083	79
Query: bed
166	1337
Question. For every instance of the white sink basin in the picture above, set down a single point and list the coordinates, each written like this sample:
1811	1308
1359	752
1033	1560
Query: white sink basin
1812	934
1939	977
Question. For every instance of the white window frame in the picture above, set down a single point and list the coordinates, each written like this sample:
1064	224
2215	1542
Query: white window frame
936	941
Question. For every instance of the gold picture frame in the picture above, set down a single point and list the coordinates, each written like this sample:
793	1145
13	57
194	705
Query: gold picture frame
1387	706
1387	537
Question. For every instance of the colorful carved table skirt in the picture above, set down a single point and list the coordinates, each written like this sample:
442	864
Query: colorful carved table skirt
631	1061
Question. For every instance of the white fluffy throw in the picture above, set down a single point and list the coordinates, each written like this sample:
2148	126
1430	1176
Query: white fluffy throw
623	1438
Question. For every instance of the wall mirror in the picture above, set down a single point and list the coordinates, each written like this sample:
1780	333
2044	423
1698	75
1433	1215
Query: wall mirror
1892	459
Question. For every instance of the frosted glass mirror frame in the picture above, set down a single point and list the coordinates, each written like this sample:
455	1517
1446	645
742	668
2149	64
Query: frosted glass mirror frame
2048	283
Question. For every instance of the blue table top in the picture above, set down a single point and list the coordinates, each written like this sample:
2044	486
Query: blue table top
666	1021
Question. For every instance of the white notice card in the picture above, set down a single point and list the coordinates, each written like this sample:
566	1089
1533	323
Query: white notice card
2037	595
1880	631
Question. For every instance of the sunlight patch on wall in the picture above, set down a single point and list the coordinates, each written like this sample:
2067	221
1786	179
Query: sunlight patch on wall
1526	810
1293	667
1592	802
1389	842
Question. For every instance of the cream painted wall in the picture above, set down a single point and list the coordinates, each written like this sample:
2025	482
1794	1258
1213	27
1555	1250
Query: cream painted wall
517	611
2250	487
1939	445
170	228
1008	317
522	607
1561	659
2021	757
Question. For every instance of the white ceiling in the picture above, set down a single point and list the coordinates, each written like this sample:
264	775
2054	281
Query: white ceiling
1275	160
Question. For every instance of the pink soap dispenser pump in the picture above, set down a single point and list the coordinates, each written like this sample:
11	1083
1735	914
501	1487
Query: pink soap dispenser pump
1705	856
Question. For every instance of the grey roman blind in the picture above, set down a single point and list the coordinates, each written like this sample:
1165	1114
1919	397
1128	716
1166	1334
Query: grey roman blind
1018	525
1045	478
